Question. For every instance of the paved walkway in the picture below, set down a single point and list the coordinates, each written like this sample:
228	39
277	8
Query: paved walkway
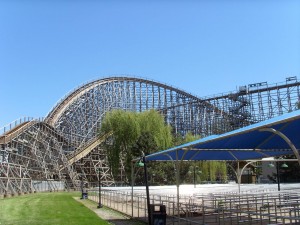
108	214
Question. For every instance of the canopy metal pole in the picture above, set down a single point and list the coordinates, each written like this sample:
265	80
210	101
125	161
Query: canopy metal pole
147	190
242	170
176	170
132	183
177	185
285	138
239	176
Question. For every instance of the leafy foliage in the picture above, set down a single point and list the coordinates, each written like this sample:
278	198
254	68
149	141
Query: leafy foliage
137	133
134	133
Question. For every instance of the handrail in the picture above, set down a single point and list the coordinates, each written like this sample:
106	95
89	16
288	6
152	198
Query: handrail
8	127
14	124
17	127
12	133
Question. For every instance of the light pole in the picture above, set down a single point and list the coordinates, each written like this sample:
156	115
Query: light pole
99	191
278	171
138	164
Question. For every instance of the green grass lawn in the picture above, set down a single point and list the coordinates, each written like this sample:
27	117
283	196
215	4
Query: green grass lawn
46	208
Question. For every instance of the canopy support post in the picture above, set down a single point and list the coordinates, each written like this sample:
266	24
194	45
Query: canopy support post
285	138
147	189
239	176
132	184
177	185
235	172
244	167
176	170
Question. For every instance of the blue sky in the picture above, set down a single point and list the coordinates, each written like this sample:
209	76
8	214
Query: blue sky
48	48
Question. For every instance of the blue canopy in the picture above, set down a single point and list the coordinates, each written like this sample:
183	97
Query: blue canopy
273	137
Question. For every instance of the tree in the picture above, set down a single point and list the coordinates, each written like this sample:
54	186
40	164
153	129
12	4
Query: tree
132	134
125	131
136	133
144	143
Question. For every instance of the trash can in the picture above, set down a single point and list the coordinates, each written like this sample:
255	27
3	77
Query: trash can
158	214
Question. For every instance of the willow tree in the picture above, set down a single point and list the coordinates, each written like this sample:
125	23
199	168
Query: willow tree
132	133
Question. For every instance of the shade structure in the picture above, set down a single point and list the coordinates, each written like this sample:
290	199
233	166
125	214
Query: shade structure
274	137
